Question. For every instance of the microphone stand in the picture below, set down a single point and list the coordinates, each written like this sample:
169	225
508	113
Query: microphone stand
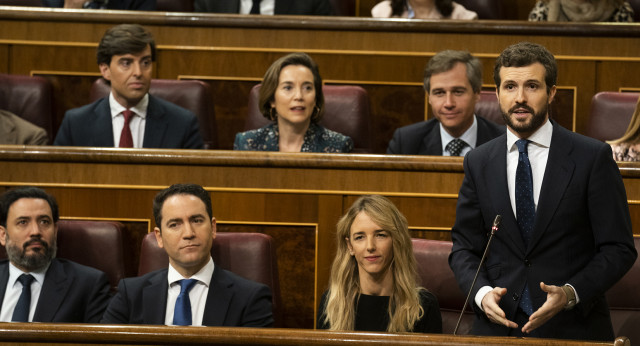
494	228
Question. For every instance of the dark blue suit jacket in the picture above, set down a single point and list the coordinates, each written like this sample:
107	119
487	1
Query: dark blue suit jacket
167	126
232	301
423	138
292	7
582	234
142	5
71	292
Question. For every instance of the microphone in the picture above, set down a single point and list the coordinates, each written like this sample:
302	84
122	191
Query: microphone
494	228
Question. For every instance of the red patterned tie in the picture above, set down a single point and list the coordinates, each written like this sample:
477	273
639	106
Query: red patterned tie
126	140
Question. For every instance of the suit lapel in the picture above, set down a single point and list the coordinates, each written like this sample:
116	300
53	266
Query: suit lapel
495	173
56	285
432	143
156	124
4	278
218	299
103	130
557	175
154	299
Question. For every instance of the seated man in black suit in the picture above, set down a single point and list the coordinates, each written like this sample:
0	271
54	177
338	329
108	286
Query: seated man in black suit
130	116
452	80
292	7
192	291
143	5
34	285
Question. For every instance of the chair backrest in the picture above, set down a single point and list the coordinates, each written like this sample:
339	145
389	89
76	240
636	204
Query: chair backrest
29	98
624	302
250	255
436	275
174	5
97	244
610	114
488	107
193	95
635	4
346	111
486	9
343	7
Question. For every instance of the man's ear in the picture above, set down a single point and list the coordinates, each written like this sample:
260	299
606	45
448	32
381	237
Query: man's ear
214	230
3	236
158	234
105	71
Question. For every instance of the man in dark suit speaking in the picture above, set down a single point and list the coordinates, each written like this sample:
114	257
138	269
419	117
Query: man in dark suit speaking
34	285
565	236
192	291
129	117
452	80
291	7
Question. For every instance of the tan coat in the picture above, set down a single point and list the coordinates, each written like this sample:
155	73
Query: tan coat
15	130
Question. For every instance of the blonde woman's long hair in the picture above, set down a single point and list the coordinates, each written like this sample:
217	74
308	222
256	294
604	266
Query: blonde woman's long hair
632	135
344	284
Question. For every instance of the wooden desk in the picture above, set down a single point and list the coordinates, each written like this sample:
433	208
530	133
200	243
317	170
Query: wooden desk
296	198
74	334
385	56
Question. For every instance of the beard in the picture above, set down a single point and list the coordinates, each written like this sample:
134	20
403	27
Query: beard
37	260
527	127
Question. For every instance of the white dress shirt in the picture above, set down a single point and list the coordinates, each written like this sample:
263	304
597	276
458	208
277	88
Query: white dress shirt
14	290
136	124
470	137
266	6
197	295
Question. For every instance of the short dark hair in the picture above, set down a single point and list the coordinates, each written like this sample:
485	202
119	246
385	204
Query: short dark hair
9	197
272	78
524	54
124	39
444	61
180	189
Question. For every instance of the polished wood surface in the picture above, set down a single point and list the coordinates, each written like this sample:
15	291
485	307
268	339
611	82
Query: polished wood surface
295	197
74	334
385	56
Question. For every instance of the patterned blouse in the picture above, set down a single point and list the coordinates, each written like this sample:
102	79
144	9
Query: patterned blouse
540	13
316	140
626	152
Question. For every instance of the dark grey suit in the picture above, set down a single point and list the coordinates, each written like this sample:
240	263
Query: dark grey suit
232	301
71	292
167	126
292	7
582	234
423	138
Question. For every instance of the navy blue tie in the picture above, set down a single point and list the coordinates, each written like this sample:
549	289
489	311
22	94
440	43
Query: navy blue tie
182	311
525	209
455	146
21	311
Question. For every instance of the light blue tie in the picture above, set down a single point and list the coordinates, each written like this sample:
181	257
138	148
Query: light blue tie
525	209
182	311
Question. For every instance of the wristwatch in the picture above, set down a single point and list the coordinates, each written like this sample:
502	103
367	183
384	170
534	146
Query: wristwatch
571	297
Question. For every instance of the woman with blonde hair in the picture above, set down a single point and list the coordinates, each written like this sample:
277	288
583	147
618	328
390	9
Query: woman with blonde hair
373	284
627	147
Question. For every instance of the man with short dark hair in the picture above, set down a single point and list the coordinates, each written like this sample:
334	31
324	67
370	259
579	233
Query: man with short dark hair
565	236
452	80
129	117
185	228
34	285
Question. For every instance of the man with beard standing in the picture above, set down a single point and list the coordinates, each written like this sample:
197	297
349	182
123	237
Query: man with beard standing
34	285
565	236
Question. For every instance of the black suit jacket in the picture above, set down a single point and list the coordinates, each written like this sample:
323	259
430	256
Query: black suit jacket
167	126
71	292
293	7
143	5
582	234
232	301
423	138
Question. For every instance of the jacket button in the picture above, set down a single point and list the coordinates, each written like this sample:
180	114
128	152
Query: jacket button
515	296
527	263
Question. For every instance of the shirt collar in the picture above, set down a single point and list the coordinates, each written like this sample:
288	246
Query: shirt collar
38	275
203	275
470	136
140	109
541	137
